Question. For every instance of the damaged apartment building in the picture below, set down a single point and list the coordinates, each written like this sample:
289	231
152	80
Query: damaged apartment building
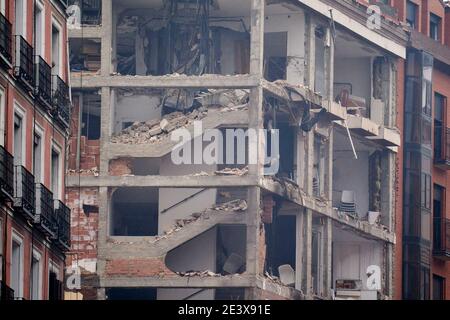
321	227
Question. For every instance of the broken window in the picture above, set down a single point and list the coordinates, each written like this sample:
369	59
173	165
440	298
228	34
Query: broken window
186	37
85	55
275	56
91	115
319	70
134	212
90	11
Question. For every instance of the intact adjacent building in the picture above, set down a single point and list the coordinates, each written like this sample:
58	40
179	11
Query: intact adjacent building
322	226
34	122
426	152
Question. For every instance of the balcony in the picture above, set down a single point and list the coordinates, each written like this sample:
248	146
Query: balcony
442	149
61	101
441	238
5	42
6	293
62	213
45	214
6	174
43	91
24	66
24	192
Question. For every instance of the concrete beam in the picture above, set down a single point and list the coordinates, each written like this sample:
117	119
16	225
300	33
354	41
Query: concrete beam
153	247
93	32
231	281
161	181
299	198
169	82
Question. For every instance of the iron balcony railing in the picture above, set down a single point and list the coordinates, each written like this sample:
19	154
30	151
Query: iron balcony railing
442	150
441	238
5	41
24	66
45	213
43	77
6	173
6	293
61	101
24	192
63	220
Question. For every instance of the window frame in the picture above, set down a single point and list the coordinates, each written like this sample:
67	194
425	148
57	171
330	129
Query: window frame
57	194
435	20
18	238
410	4
21	113
41	133
2	115
37	255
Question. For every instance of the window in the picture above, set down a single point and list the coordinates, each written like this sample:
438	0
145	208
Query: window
319	76
36	276
435	26
2	116
411	14
19	135
20	17
438	214
39	27
37	158
17	266
439	125
438	288
55	172
56	50
54	284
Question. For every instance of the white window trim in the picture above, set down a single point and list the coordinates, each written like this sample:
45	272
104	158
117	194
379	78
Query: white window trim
22	114
57	25
58	194
41	133
3	7
16	237
38	256
24	20
2	114
41	7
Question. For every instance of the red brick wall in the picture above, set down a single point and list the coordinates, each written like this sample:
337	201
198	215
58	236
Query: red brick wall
84	226
441	83
137	267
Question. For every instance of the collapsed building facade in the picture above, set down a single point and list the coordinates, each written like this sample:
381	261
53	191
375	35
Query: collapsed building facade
321	226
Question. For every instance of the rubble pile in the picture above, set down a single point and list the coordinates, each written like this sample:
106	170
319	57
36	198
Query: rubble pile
235	205
153	130
232	172
92	171
206	273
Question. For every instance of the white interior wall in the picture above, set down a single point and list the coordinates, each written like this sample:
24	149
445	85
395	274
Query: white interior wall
136	108
356	71
352	255
352	174
294	25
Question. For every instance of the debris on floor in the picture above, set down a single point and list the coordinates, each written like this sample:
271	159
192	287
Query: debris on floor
232	172
93	171
235	205
206	273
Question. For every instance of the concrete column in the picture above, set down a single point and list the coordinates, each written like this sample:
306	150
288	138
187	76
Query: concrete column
299	245
105	128
103	229
107	33
327	257
255	122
